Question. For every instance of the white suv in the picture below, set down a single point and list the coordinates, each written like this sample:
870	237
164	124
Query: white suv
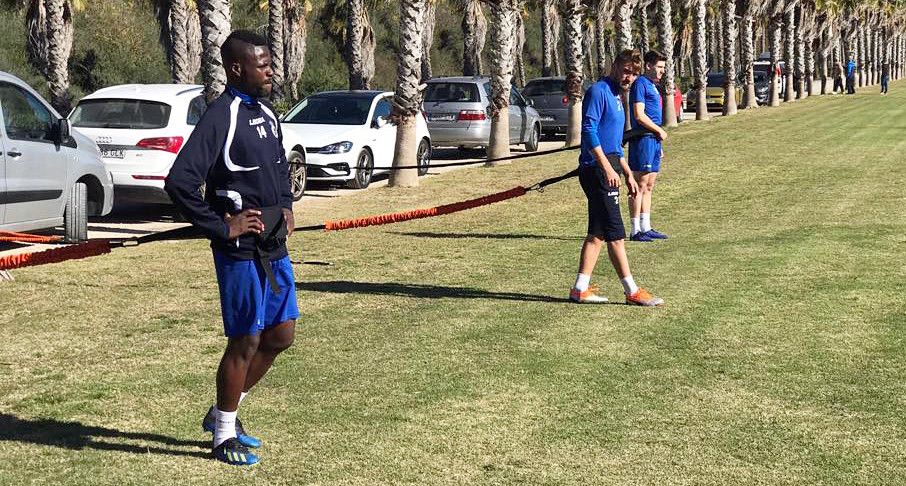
140	128
49	175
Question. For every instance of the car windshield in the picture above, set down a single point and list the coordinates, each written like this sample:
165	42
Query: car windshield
331	110
760	76
121	113
716	79
452	92
545	87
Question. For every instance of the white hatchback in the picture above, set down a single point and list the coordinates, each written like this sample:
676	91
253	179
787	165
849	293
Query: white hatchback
49	175
346	136
139	129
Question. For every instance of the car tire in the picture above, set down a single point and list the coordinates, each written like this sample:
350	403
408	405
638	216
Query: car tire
423	156
297	174
75	215
531	145
364	169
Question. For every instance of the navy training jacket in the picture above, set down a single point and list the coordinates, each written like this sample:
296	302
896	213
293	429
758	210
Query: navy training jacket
236	151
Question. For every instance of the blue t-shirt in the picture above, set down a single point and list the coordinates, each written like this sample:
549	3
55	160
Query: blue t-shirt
643	90
850	68
603	120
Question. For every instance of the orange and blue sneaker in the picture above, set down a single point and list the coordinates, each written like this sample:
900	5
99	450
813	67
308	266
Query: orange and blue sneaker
644	298
589	296
210	422
232	452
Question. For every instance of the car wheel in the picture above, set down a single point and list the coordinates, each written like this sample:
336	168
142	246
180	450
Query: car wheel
75	216
364	168
424	157
297	174
531	145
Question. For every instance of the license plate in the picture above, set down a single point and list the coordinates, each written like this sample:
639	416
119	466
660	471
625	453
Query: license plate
441	117
547	118
112	154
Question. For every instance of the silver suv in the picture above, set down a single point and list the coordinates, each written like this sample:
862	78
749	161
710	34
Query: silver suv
49	175
458	113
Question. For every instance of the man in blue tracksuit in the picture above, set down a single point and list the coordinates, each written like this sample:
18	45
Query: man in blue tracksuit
645	109
851	76
236	152
601	162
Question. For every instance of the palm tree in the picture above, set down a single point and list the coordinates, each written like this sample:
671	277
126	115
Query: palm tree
665	39
572	16
408	98
700	57
518	48
789	27
430	13
474	32
215	27
799	64
775	27
728	11
644	27
550	38
751	9
180	37
275	34
295	32
503	38
360	44
49	44
603	11
623	22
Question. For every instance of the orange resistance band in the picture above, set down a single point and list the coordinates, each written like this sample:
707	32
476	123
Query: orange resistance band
423	213
27	238
55	255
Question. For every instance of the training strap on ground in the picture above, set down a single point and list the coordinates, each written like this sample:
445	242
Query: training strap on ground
28	238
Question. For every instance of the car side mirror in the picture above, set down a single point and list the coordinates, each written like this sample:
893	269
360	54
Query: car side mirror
531	102
61	131
379	122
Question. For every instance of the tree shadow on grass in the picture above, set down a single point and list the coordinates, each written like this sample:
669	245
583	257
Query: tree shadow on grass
78	436
499	236
419	291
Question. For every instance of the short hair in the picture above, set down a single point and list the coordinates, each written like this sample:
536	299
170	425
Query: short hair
237	40
631	57
654	57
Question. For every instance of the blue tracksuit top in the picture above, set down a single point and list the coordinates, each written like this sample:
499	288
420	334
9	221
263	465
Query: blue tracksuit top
236	151
602	121
850	68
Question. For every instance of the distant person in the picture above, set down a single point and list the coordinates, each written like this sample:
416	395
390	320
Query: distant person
851	76
236	152
885	78
838	77
646	151
601	161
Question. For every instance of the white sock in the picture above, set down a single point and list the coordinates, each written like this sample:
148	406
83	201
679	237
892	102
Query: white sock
242	396
582	282
645	221
636	226
629	286
225	427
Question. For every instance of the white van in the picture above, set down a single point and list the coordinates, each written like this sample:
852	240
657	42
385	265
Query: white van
49	175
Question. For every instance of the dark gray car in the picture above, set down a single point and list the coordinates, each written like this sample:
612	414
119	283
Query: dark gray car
458	113
548	96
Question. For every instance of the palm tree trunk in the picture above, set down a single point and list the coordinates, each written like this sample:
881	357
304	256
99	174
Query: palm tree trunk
503	17
275	31
719	35
665	39
602	15
810	62
518	49
193	42
549	19
573	29
728	10
644	41
430	12
747	40
36	35
408	97
59	46
295	29
623	21
474	32
360	44
700	57
800	54
776	34
789	51
174	34
823	49
215	27
712	36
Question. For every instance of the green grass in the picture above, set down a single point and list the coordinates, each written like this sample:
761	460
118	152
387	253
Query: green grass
440	351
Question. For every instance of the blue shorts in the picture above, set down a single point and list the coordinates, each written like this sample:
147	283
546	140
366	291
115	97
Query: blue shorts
645	155
247	302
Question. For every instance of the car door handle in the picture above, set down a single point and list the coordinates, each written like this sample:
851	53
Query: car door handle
14	153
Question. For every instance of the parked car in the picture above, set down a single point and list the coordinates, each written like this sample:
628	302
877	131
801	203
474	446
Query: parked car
764	66
459	114
714	93
346	136
548	97
762	87
49	175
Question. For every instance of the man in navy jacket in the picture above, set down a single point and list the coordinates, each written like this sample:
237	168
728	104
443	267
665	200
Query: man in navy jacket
236	152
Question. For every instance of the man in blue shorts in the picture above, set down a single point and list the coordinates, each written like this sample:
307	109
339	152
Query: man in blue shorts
645	152
601	162
236	152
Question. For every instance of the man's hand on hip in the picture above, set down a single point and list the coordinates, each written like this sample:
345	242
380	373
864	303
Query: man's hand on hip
247	221
290	221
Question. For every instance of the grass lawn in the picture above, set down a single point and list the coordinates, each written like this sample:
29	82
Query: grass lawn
442	351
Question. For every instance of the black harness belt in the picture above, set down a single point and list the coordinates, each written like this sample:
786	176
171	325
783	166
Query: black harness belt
270	241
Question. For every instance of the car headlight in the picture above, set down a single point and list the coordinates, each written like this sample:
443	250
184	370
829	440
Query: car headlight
336	148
